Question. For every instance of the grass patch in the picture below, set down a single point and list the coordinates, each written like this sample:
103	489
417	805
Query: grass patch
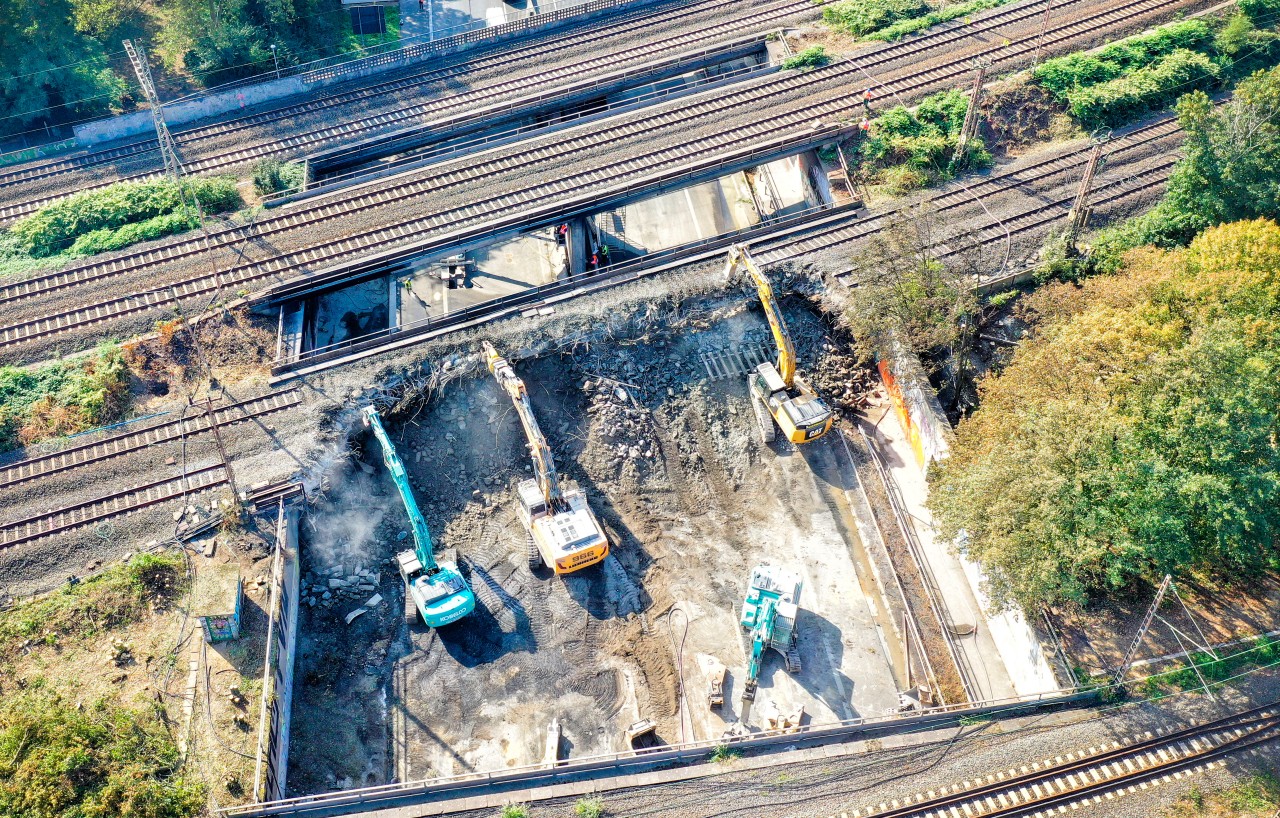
723	754
62	398
588	808
1258	795
902	28
1263	651
119	215
514	811
117	597
815	56
68	759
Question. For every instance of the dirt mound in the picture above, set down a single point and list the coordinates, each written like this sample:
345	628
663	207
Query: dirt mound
1016	114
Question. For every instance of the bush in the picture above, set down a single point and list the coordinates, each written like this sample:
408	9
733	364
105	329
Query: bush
588	808
1062	75
272	176
56	227
815	56
61	398
66	759
105	240
862	17
514	811
1117	101
902	28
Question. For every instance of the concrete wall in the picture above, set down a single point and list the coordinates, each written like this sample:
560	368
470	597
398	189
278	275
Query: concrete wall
277	686
918	409
218	103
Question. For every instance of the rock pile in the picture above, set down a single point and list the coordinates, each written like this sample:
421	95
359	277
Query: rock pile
336	585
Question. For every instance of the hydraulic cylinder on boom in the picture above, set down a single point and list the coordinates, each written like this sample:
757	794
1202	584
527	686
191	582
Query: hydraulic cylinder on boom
434	592
563	533
778	391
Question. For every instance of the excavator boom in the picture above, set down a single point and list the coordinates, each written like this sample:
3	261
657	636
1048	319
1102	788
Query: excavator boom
543	466
739	256
423	546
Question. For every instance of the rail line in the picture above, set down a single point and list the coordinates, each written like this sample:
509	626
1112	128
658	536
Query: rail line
126	501
793	240
38	466
452	176
1058	784
943	35
444	106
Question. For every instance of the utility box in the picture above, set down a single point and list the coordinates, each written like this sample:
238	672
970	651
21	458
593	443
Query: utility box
215	602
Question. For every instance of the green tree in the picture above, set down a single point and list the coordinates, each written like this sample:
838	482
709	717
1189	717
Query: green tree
1137	432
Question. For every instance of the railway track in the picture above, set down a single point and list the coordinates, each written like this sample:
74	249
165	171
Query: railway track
453	175
765	16
122	443
1087	776
126	501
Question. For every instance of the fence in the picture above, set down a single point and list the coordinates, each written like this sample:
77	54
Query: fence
277	677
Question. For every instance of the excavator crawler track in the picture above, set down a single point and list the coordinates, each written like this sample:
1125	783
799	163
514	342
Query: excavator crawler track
535	556
767	431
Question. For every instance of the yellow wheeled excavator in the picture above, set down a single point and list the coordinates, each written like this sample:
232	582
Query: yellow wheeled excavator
563	533
779	393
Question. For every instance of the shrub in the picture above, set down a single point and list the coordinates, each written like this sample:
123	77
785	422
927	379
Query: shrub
56	227
902	28
815	56
1112	103
514	811
105	240
588	808
272	175
862	17
1061	75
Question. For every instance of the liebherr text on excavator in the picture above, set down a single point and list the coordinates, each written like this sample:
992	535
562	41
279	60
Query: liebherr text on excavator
796	409
563	532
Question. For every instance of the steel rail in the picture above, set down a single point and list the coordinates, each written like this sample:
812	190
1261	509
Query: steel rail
1001	797
115	504
436	178
485	95
83	454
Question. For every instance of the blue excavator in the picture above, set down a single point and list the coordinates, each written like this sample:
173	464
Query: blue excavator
769	614
435	593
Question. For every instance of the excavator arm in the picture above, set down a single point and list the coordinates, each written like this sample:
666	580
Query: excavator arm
740	256
543	466
423	547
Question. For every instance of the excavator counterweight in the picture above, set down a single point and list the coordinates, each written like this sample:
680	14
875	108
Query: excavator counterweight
778	391
563	532
434	591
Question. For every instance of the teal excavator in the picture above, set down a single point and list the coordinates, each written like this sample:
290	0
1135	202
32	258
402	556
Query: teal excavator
769	614
434	592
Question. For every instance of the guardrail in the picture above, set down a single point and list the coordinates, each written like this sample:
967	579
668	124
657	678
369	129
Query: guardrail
613	764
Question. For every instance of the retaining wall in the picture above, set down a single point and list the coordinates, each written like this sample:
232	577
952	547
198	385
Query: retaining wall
277	679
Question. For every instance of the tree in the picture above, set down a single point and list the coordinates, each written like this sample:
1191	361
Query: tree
1136	433
908	300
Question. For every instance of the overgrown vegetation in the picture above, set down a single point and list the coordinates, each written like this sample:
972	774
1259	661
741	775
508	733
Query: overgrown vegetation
1230	171
1135	433
514	811
863	17
62	398
589	808
1134	76
272	176
119	215
907	149
723	754
115	598
814	56
946	13
1261	652
67	759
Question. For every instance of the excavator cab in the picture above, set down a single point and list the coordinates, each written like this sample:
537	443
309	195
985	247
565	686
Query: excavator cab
802	417
439	598
566	541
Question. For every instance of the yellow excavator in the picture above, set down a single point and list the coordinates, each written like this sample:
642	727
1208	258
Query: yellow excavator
779	393
563	533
